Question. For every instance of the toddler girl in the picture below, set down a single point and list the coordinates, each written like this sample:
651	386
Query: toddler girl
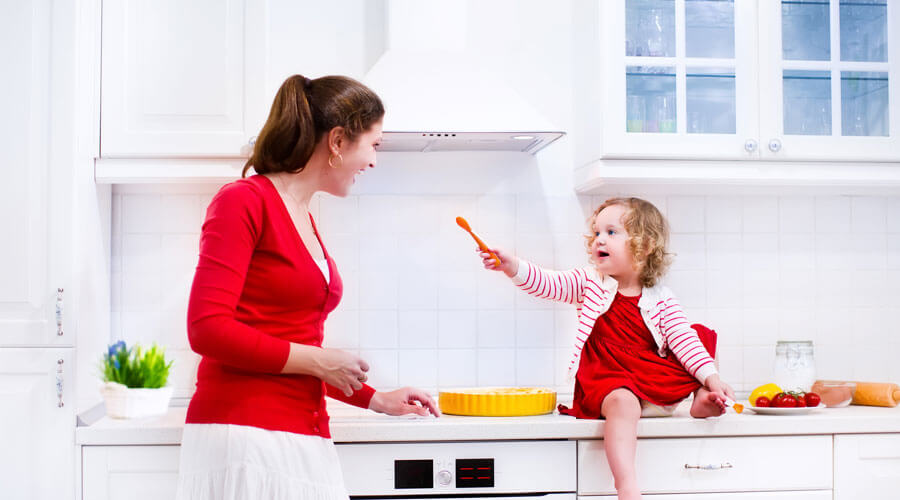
637	353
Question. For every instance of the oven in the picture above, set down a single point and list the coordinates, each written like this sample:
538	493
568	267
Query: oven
500	470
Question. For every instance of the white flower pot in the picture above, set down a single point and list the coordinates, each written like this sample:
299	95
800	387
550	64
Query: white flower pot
123	402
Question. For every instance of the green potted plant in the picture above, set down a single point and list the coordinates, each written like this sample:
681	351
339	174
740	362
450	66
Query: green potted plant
134	381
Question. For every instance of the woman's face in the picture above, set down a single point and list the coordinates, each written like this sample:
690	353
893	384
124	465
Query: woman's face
357	155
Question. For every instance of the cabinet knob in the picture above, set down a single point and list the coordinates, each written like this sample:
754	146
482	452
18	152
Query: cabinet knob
750	145
774	145
444	477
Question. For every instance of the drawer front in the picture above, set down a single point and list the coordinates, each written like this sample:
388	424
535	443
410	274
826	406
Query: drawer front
722	464
867	466
758	495
129	472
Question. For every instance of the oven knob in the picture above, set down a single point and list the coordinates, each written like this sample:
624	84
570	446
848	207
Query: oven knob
444	477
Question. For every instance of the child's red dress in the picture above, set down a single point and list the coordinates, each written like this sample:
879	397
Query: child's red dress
621	352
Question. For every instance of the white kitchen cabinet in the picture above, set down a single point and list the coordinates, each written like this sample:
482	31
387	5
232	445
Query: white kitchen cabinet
129	472
769	495
180	79
866	466
197	79
679	79
34	195
744	80
715	465
37	418
829	80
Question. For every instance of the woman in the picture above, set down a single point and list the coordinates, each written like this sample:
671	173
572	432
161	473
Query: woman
257	426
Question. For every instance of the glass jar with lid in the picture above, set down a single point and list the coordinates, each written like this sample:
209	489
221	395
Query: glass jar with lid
795	366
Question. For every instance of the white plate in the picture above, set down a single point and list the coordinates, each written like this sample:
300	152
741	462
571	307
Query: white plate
781	411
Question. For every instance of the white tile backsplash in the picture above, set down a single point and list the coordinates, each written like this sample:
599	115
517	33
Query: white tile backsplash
868	214
378	329
724	215
760	214
687	214
419	307
833	214
418	329
797	214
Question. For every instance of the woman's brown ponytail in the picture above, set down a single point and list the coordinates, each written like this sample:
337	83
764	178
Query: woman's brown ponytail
302	112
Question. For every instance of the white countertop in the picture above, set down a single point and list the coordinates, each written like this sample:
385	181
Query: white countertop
350	425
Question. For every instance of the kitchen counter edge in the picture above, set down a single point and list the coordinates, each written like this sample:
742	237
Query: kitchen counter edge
363	427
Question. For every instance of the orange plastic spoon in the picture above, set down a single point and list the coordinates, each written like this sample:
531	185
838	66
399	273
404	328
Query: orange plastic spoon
484	248
738	408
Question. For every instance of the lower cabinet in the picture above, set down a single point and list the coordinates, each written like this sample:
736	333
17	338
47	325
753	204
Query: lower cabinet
767	495
847	466
866	466
129	472
773	466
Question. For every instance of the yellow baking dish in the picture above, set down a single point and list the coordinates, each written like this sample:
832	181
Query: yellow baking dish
497	401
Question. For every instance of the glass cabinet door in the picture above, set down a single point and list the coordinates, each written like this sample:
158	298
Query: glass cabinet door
682	79
828	86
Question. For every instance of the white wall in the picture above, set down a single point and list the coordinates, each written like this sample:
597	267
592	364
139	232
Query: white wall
422	311
418	306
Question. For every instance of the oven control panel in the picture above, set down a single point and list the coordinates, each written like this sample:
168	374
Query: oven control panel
466	472
502	467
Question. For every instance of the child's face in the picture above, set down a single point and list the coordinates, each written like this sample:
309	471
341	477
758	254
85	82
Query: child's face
609	248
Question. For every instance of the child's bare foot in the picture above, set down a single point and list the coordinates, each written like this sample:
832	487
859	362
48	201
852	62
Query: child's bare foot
706	404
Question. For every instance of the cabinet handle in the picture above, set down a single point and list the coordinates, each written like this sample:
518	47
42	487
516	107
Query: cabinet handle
59	383
774	145
723	465
750	145
59	312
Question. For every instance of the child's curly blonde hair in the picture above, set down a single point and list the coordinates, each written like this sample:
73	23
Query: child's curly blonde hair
648	233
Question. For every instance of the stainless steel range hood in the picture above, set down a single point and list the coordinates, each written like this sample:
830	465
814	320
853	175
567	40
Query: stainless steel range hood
438	96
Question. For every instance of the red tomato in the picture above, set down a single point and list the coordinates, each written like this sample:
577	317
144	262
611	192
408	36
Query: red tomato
801	402
812	399
788	401
763	402
776	401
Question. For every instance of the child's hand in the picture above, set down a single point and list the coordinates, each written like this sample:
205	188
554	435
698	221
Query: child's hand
509	264
721	389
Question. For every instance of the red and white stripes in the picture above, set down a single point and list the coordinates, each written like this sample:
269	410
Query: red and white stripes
592	295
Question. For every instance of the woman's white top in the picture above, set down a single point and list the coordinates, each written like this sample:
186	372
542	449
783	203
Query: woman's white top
238	462
323	265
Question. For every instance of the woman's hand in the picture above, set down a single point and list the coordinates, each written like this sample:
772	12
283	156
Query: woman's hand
341	369
403	401
721	389
509	264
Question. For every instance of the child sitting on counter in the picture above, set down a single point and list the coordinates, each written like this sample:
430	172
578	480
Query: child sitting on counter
628	325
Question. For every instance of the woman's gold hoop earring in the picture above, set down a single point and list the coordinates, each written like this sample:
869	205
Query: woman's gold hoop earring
331	158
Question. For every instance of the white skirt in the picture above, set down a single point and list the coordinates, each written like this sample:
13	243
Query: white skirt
237	462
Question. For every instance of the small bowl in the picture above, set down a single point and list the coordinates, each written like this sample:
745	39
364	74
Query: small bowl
835	394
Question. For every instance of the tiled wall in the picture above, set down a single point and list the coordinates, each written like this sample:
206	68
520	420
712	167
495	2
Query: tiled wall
419	307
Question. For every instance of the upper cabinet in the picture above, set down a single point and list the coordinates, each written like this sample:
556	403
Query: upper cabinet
679	79
830	80
741	79
179	79
196	79
36	140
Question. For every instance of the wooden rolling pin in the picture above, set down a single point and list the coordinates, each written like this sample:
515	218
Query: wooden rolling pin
875	394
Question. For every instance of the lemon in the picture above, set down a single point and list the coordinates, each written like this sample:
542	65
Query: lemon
767	390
